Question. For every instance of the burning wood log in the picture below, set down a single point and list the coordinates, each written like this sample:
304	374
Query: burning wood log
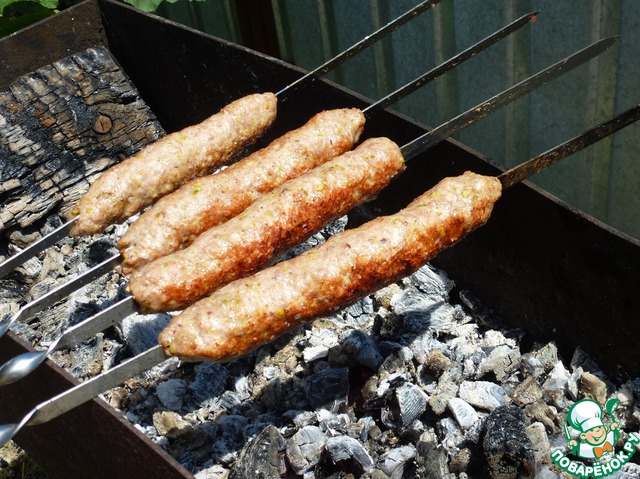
60	127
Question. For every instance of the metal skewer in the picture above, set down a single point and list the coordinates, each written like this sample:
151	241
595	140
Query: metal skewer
81	393
45	301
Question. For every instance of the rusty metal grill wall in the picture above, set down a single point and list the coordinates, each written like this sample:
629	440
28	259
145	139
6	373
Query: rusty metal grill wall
540	264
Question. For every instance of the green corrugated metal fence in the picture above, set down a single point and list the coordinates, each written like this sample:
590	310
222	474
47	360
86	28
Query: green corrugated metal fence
603	180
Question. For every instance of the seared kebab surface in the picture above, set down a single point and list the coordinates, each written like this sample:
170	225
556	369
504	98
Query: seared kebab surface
274	223
168	163
249	312
176	220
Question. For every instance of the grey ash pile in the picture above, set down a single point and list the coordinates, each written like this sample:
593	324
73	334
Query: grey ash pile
417	380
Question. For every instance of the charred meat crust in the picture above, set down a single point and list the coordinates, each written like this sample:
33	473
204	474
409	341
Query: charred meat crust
165	165
276	222
177	219
252	311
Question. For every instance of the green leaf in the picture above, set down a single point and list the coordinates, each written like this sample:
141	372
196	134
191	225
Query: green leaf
145	5
21	14
48	4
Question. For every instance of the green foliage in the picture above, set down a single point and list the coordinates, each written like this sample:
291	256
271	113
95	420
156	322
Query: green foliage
147	5
16	14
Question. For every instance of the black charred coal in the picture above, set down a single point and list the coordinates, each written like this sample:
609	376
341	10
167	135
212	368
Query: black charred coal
343	455
99	251
263	458
507	448
327	387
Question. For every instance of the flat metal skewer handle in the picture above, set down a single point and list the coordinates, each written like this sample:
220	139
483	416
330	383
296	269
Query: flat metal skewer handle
56	294
84	392
23	364
11	263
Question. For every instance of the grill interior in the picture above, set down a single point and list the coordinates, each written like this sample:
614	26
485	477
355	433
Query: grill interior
541	265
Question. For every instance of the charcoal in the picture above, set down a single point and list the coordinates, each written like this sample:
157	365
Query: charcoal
304	448
582	360
345	454
527	392
629	471
592	387
463	412
359	312
12	290
87	358
214	472
357	346
460	462
301	418
482	314
52	265
24	237
140	332
506	446
358	394
483	394
447	388
541	447
99	251
430	281
333	423
494	338
171	393
543	472
262	458
405	405
395	462
437	362
502	361
558	378
540	411
327	387
365	425
531	366
170	424
209	381
431	459
318	343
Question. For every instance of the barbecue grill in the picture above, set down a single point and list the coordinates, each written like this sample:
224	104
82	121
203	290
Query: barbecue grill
540	264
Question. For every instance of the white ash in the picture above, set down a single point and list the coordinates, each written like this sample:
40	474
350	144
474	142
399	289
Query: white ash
402	384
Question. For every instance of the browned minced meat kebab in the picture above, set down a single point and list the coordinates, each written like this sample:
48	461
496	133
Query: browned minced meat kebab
274	223
168	163
253	311
179	218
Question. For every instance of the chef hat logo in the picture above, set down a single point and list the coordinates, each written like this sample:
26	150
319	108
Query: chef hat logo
585	415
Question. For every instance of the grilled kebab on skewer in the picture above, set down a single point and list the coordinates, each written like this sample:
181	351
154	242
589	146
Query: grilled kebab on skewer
463	207
176	220
18	367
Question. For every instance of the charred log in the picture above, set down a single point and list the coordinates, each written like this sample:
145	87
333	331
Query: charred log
60	127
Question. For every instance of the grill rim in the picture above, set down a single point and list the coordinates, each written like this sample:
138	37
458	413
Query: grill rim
111	23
